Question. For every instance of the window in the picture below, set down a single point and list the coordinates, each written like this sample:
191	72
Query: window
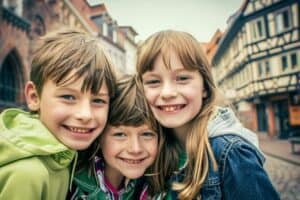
98	20
294	60
284	63
289	61
283	20
263	68
267	67
104	29
260	69
258	29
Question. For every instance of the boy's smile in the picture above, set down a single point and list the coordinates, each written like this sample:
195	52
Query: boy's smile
73	116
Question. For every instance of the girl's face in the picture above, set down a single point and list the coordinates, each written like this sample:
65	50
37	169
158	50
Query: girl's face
128	151
175	95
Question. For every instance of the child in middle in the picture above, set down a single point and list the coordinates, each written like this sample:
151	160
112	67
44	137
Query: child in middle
128	148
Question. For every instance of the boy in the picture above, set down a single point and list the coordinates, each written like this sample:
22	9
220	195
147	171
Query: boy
128	147
71	83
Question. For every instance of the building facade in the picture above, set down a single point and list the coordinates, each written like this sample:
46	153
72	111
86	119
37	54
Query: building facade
22	21
257	65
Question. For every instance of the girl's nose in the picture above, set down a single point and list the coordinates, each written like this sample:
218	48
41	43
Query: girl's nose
169	90
134	146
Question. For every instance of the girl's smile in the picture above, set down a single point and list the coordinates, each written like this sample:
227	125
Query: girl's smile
173	92
171	108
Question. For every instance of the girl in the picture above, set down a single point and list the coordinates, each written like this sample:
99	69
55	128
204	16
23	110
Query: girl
128	146
208	154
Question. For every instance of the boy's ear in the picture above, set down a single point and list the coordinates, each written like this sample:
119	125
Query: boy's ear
32	97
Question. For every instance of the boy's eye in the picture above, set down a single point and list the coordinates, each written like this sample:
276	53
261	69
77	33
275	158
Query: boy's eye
99	101
67	97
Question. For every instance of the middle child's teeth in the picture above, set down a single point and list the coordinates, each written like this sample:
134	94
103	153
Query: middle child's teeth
132	161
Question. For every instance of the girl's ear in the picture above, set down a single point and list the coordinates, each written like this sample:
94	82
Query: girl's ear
32	97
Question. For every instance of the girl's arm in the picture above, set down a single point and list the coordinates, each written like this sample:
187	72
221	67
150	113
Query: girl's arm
243	174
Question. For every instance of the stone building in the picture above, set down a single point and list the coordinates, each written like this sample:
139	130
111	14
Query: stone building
22	21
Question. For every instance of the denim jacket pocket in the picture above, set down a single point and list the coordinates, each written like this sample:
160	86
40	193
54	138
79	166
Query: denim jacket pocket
211	189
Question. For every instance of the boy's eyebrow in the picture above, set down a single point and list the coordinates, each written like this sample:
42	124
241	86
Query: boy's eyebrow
75	90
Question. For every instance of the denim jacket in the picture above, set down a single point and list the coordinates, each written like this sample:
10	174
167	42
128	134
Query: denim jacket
240	173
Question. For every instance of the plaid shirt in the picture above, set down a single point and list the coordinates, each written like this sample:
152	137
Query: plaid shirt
95	187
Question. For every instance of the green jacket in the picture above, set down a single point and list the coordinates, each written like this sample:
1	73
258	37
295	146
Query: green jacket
33	163
92	186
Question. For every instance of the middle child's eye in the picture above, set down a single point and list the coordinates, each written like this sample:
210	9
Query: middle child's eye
149	134
119	134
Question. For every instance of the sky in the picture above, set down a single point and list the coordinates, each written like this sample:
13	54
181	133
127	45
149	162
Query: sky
201	18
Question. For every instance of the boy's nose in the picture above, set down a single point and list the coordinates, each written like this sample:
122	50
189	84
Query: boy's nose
84	111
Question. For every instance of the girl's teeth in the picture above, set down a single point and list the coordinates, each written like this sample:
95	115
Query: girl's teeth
132	161
170	108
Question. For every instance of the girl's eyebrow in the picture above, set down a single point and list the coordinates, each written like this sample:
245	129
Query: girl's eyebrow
102	94
150	73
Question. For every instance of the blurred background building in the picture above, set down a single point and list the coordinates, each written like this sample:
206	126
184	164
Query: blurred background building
22	21
256	63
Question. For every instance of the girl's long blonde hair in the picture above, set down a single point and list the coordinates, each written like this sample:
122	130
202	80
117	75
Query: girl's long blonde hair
198	149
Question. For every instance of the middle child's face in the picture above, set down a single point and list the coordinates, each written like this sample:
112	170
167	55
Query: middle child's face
128	151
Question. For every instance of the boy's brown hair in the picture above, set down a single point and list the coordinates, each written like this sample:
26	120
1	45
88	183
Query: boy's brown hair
68	54
72	51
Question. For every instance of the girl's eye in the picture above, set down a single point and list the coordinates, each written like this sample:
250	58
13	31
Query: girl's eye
67	97
119	134
182	78
149	135
151	82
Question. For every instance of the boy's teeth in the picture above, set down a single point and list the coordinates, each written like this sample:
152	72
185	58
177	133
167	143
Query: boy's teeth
79	130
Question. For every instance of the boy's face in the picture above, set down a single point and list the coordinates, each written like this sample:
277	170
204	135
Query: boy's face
74	117
128	151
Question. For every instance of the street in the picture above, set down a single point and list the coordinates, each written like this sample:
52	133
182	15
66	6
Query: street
285	177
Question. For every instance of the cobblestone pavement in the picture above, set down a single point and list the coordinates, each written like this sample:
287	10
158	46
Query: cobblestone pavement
285	177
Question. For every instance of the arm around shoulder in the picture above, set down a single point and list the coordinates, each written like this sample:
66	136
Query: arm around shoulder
243	174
